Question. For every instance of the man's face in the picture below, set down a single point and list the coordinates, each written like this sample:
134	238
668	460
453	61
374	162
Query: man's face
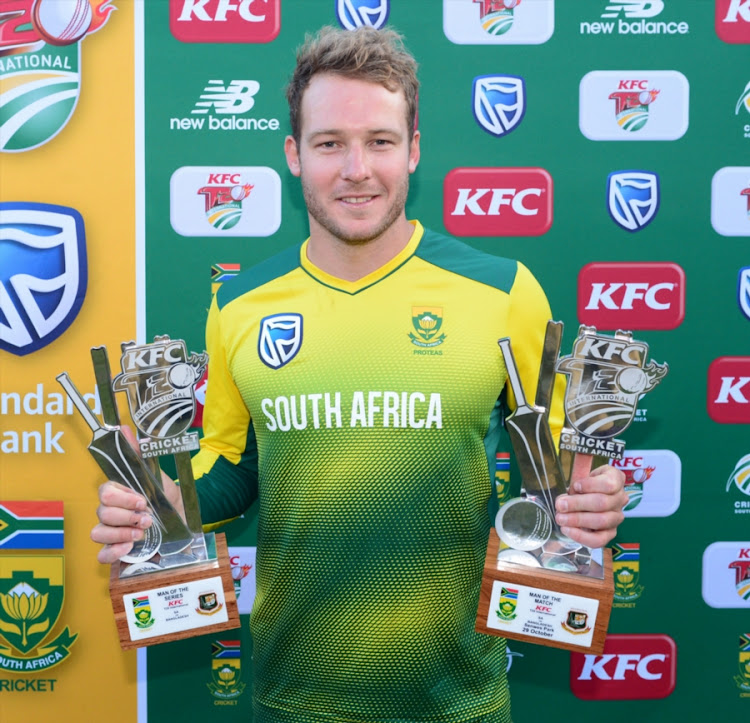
354	157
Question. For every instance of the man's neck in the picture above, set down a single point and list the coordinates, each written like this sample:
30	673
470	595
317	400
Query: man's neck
351	262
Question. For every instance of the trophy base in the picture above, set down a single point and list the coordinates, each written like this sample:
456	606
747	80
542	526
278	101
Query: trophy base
176	603
546	607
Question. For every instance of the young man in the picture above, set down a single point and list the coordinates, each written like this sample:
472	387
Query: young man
356	389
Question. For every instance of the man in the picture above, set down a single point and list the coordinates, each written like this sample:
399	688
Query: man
356	391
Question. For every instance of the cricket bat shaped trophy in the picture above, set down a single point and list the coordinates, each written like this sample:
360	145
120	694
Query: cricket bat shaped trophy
538	585
176	582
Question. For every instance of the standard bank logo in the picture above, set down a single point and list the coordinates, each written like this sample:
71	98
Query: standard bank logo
495	22
730	201
222	107
43	273
743	290
632	198
499	102
636	105
225	21
732	20
353	14
280	339
225	201
40	66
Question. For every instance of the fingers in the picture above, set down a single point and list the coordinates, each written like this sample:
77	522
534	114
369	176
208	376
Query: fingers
122	517
606	480
590	538
110	554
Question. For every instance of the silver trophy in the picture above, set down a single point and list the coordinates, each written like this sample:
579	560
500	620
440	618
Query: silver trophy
159	380
607	376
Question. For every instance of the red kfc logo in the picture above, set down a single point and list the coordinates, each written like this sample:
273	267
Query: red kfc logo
225	21
729	390
632	667
631	295
732	20
497	202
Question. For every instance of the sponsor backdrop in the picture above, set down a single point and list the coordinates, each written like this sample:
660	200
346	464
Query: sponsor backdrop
142	168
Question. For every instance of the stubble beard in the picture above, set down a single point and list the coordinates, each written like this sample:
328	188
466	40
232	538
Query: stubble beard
319	213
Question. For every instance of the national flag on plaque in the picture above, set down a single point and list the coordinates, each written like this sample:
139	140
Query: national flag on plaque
31	525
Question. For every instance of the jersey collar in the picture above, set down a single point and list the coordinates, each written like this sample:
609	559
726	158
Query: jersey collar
353	287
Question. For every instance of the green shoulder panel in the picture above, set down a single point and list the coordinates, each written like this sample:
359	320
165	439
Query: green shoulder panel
260	274
452	255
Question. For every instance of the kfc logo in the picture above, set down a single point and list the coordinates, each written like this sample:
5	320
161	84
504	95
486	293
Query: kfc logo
728	390
497	202
631	295
225	21
732	20
633	667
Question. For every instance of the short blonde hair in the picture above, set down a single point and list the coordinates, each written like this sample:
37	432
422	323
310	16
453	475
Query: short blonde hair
377	56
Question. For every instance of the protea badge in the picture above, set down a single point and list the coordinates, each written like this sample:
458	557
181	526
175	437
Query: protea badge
743	679
427	322
226	664
625	569
506	607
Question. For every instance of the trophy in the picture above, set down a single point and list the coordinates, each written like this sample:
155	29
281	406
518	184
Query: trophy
176	582
538	585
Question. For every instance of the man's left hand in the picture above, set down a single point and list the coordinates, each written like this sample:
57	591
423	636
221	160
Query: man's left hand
592	509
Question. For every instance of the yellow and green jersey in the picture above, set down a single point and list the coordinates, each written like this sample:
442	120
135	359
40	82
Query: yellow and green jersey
364	416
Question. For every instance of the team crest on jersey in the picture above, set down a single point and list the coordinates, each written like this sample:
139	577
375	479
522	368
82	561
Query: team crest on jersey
577	622
626	571
506	607
280	339
43	273
499	102
496	16
427	322
160	379
226	663
353	14
633	198
32	592
743	679
40	60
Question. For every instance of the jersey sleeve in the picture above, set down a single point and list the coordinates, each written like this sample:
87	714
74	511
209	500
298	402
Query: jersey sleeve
529	314
226	467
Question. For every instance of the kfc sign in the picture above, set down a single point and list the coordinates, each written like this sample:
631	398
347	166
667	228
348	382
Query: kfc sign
632	667
729	390
732	20
497	202
631	295
225	21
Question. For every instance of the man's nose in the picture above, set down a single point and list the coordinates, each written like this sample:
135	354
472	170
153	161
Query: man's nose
356	167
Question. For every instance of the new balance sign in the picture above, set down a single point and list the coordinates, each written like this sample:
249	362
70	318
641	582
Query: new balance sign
225	21
632	667
729	390
497	201
631	295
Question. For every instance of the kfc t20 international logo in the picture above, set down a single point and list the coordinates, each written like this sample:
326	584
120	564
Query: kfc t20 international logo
495	22
726	575
653	481
43	273
632	667
632	198
631	295
40	66
499	102
497	201
353	14
225	201
732	20
225	21
636	105
730	201
729	390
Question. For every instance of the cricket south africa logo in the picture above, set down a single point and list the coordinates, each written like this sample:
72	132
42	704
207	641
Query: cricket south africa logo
427	322
506	606
743	679
40	66
32	593
279	339
739	480
632	198
626	571
499	102
353	14
226	665
142	612
43	273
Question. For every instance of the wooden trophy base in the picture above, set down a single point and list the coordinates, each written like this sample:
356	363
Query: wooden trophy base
183	602
546	607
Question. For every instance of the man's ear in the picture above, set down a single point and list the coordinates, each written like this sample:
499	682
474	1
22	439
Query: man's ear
414	152
292	155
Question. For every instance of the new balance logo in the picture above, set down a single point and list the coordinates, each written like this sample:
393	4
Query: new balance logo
235	98
633	8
